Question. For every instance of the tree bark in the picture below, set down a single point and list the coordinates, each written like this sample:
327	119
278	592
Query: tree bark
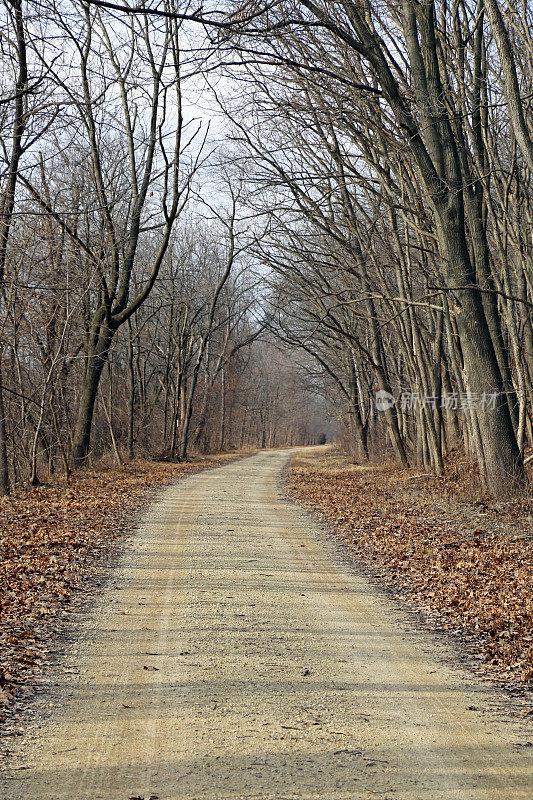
8	205
96	360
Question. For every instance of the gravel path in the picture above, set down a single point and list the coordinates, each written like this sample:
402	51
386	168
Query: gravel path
236	656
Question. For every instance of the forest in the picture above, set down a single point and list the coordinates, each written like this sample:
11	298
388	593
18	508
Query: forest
266	399
259	224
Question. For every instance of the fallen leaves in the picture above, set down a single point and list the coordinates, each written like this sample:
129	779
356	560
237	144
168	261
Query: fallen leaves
467	577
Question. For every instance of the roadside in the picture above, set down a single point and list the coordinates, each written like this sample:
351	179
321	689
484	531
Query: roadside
54	540
236	656
468	569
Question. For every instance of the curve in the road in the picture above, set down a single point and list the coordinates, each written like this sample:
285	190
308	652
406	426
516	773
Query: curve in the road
235	656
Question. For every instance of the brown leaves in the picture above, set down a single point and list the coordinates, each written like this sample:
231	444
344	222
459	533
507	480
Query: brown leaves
468	577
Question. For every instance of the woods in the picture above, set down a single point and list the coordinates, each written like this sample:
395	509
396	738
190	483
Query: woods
128	300
252	224
266	399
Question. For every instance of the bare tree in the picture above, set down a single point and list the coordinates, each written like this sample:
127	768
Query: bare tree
130	71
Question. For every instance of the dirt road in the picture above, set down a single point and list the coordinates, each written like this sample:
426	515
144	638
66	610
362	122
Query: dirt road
236	656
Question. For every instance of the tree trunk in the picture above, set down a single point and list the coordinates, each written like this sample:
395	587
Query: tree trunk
4	468
7	204
96	360
131	397
500	456
222	410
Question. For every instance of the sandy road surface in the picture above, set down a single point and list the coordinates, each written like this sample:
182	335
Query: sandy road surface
235	656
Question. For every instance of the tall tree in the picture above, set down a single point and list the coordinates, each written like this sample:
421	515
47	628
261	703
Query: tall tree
129	71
